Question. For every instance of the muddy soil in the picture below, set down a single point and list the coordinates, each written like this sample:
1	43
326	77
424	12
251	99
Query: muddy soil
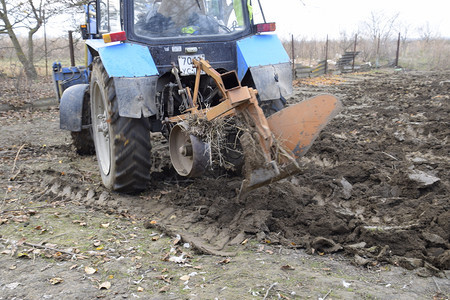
373	192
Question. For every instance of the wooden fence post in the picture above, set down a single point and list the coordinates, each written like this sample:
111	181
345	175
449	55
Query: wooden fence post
354	53
398	51
293	58
326	56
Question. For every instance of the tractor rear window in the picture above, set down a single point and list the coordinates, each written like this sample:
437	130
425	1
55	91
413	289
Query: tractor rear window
178	18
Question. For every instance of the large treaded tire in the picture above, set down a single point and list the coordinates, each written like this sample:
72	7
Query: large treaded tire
83	143
122	144
82	140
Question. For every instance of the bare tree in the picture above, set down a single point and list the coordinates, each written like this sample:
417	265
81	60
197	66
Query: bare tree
380	25
27	17
426	33
379	30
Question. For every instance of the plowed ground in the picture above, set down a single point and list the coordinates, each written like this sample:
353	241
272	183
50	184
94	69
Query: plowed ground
374	187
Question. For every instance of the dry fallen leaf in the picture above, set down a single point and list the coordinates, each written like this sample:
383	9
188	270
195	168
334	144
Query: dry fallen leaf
178	259
13	267
164	289
23	255
287	267
55	280
164	277
140	289
20	219
185	278
105	285
72	267
225	261
89	270
177	239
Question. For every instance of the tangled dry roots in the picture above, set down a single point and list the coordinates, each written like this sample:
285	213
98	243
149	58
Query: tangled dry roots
222	134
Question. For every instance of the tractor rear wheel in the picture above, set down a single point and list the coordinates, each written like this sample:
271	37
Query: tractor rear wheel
122	144
82	140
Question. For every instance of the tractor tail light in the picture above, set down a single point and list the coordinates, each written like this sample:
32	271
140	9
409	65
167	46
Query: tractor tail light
265	27
114	37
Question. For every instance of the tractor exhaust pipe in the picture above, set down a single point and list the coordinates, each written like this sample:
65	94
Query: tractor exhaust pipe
71	49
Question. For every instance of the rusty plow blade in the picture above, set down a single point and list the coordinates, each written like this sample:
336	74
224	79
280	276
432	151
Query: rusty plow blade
294	129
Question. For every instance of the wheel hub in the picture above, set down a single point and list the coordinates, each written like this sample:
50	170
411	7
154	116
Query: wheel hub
189	155
103	125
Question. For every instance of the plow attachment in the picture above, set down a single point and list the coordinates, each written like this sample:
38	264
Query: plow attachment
294	129
271	146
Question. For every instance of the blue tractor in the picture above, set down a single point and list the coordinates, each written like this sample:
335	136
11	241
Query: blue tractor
179	67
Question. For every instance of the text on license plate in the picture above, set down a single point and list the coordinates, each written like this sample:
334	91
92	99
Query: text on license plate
186	65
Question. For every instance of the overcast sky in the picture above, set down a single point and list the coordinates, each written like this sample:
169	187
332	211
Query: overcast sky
317	18
314	19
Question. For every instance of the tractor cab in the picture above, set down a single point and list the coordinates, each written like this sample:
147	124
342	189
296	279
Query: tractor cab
187	19
159	21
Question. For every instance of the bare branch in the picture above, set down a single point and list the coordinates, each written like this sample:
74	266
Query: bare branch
29	14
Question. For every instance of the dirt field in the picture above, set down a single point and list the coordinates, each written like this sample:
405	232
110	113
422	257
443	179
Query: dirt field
367	218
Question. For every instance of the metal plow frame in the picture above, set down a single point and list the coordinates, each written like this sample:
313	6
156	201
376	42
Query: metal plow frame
281	139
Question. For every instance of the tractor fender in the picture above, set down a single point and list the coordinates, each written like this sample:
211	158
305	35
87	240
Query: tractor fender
135	76
268	63
136	96
71	107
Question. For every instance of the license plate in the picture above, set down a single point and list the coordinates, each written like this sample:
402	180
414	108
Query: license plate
185	62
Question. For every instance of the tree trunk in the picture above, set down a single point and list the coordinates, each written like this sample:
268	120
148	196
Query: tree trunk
30	70
28	66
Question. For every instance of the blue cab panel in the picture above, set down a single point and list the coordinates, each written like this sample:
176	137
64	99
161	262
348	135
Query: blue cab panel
125	59
259	50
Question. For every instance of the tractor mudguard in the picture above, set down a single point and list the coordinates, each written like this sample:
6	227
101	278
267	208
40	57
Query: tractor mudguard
266	59
135	76
136	96
71	107
272	81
